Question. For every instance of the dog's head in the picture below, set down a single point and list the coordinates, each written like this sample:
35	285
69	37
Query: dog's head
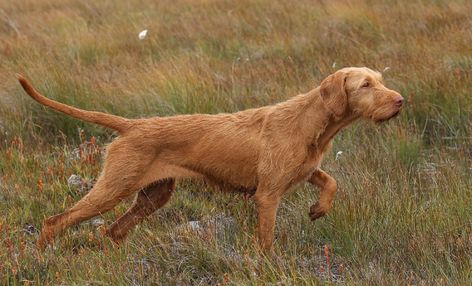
360	92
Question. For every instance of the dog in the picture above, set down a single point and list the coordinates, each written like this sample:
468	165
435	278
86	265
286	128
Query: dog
264	151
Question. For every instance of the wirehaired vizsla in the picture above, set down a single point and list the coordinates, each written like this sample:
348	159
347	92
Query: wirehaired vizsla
266	151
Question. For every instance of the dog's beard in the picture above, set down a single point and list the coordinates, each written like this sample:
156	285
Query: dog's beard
379	120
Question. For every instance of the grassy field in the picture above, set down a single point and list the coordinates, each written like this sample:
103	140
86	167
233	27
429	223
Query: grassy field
403	213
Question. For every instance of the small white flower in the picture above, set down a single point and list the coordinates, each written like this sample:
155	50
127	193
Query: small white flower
386	69
338	155
142	34
334	65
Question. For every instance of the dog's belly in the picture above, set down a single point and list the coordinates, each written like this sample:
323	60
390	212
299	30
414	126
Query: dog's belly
160	170
227	160
227	175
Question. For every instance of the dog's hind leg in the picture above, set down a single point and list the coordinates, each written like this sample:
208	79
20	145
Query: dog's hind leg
93	204
147	201
119	179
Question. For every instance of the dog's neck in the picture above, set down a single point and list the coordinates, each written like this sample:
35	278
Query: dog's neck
332	128
307	116
332	124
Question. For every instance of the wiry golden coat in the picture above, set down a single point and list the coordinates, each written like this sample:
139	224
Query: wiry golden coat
263	151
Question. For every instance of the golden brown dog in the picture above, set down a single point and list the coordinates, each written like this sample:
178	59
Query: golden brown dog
268	150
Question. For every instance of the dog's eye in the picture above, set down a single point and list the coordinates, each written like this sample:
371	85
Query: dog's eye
366	84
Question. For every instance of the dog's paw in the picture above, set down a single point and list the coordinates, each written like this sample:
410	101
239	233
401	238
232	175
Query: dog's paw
116	238
316	211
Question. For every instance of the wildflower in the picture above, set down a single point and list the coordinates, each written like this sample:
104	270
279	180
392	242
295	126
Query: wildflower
102	230
10	248
82	135
326	255
225	278
9	154
457	73
50	172
21	246
142	34
39	185
90	237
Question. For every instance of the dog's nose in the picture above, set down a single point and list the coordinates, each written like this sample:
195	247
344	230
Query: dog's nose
399	100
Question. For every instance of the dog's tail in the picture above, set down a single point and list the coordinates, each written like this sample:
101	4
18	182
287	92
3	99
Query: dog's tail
112	121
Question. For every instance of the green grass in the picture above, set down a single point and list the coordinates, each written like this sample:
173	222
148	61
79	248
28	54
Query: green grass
403	213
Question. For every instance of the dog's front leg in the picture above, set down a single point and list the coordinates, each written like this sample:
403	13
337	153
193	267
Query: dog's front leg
267	205
328	189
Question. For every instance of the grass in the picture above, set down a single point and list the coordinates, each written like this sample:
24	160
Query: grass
403	213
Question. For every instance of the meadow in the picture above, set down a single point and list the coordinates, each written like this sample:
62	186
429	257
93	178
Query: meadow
403	211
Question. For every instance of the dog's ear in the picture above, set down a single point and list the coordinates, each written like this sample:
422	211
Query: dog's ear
333	93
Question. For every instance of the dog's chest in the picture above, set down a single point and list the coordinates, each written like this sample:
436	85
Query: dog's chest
312	161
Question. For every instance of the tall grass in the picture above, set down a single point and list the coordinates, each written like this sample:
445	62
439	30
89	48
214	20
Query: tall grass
403	213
